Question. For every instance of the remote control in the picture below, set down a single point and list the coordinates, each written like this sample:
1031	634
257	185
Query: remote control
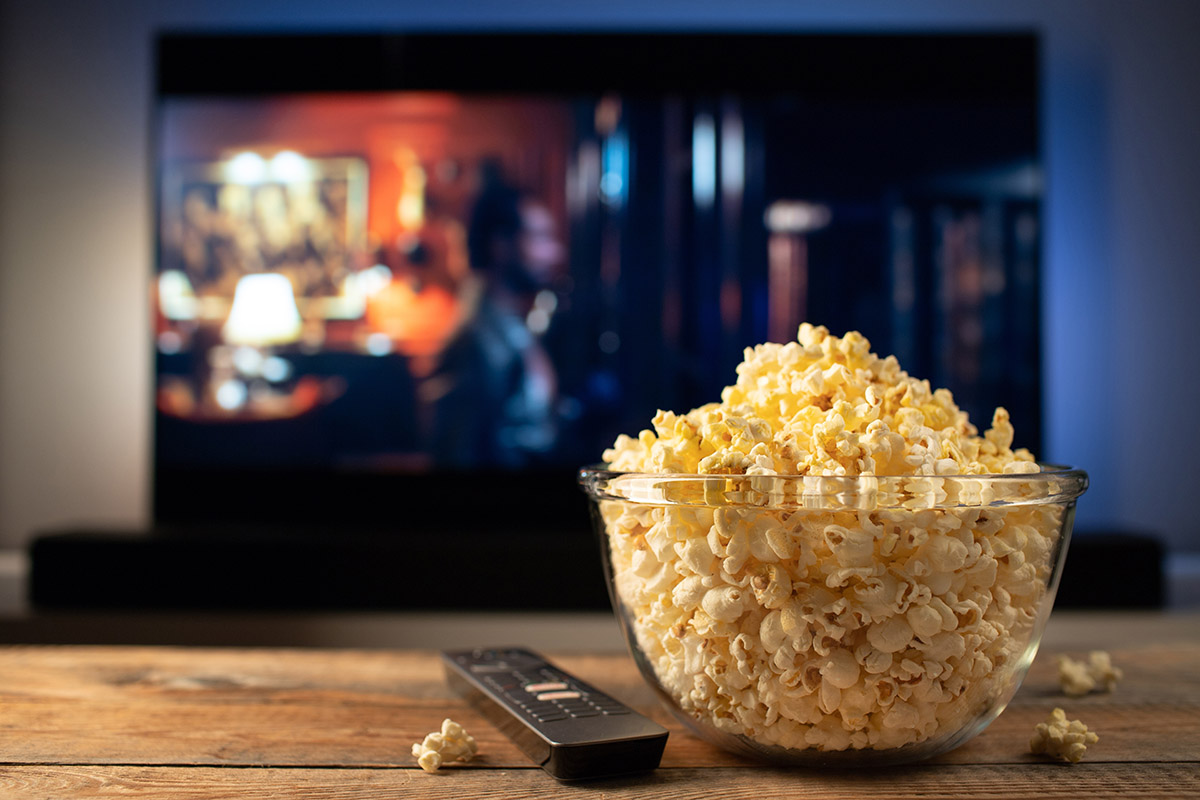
570	729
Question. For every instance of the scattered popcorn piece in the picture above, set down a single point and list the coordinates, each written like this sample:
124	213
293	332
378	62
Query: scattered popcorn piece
430	760
452	743
1101	668
1061	738
1077	678
1074	678
827	629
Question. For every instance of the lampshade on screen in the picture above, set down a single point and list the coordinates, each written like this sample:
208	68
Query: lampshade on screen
264	312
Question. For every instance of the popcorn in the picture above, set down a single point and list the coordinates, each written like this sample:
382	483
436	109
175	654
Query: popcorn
823	406
893	615
1077	678
452	743
1061	738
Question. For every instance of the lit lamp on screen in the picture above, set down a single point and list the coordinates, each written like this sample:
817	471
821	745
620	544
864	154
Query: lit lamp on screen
263	315
264	312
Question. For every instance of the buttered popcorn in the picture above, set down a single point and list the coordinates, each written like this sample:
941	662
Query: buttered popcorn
811	627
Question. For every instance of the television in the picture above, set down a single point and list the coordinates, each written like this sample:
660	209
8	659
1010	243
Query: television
406	283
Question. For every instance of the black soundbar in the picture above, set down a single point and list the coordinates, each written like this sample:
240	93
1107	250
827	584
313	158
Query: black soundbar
256	569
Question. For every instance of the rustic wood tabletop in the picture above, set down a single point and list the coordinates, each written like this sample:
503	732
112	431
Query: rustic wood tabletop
178	722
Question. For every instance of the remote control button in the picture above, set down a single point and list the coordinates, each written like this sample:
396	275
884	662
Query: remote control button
575	701
559	696
607	703
546	714
584	712
531	704
535	688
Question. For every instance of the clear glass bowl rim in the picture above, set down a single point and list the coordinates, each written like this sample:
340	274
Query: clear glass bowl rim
1055	484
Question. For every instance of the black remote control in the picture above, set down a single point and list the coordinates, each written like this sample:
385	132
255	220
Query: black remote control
570	729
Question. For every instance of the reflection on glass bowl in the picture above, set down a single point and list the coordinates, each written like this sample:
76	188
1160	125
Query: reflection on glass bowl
830	621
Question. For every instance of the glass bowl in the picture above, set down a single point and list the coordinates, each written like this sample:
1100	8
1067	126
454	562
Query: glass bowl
830	621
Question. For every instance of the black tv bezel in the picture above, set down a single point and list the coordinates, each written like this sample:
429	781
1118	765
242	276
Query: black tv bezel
526	507
992	64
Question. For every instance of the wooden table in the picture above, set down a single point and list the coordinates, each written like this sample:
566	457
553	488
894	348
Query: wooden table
159	722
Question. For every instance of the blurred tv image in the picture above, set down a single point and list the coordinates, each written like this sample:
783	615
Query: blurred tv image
419	245
447	280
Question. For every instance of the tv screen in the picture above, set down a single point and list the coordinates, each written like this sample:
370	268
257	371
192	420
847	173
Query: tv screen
407	284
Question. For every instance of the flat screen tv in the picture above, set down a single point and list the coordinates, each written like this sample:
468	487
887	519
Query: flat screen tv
406	284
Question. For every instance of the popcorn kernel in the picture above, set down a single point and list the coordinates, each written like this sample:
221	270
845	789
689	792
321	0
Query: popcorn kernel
1060	738
451	743
1078	678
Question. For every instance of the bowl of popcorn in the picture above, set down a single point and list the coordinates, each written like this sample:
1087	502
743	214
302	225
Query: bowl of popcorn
831	566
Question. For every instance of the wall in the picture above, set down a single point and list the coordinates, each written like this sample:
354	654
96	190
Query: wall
1122	112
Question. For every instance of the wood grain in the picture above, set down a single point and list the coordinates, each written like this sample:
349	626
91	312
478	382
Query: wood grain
1158	781
173	722
107	705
